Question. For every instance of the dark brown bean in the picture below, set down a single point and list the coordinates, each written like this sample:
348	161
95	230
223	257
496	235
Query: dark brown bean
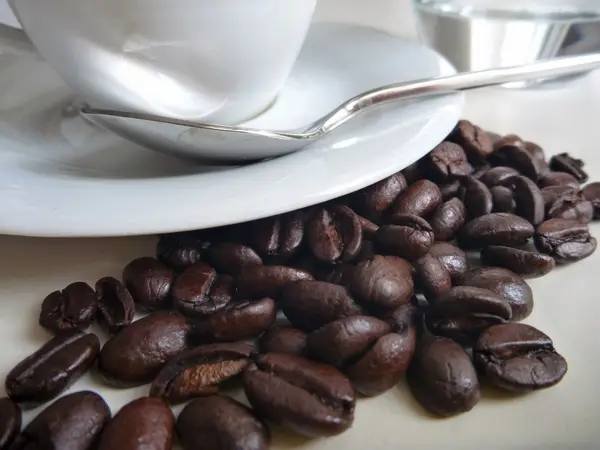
374	201
498	175
535	150
146	423
420	199
200	371
149	282
453	258
447	219
10	422
135	355
516	156
266	281
475	141
528	199
563	162
405	235
230	257
450	190
432	277
199	291
369	229
446	162
477	198
116	307
73	308
558	179
503	200
551	194
221	423
283	340
565	240
277	238
591	192
526	263
572	206
181	250
51	369
496	229
412	173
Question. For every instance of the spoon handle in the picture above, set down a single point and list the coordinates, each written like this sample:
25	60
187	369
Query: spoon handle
460	82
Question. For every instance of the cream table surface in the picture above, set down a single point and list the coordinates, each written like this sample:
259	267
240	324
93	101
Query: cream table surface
567	300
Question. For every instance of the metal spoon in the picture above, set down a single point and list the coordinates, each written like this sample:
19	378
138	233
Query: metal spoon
197	140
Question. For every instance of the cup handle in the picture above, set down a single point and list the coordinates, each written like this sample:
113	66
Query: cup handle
14	41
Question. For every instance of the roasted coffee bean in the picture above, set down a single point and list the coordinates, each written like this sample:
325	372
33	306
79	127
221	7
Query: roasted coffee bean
73	308
369	229
277	238
450	190
505	283
446	162
526	263
266	281
447	219
283	340
509	140
565	240
572	206
367	251
453	258
73	422
181	250
432	277
51	369
149	282
498	175
308	305
591	192
221	423
563	162
10	422
551	194
404	318
230	257
136	354
503	199
464	312
528	199
475	141
405	235
382	282
116	307
200	371
374	201
535	150
420	199
340	274
412	173
312	399
518	358
334	234
495	229
143	424
338	342
199	291
442	378
558	179
480	170
516	156
239	320
477	198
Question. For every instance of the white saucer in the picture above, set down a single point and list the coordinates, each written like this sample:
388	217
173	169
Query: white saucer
61	176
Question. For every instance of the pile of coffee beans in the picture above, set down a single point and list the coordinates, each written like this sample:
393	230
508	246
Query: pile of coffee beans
420	276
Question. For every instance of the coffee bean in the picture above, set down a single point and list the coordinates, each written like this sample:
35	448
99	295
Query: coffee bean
374	201
475	141
199	291
510	140
369	229
73	308
464	312
149	282
73	422
339	274
334	234
312	399
563	162
239	320
283	340
308	305
412	173
404	318
452	257
276	238
200	371
528	199
526	263
266	281
116	307
405	235
516	156
498	175
450	190
446	162
535	150
572	206
230	257
480	169
565	240
477	198
495	229
338	342
368	250
144	424
505	283
447	219
382	282
442	378
181	250
220	423
591	192
503	200
518	358
551	194
420	199
10	422
432	277
558	179
51	369
136	354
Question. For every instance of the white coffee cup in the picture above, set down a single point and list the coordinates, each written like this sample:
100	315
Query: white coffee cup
220	61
